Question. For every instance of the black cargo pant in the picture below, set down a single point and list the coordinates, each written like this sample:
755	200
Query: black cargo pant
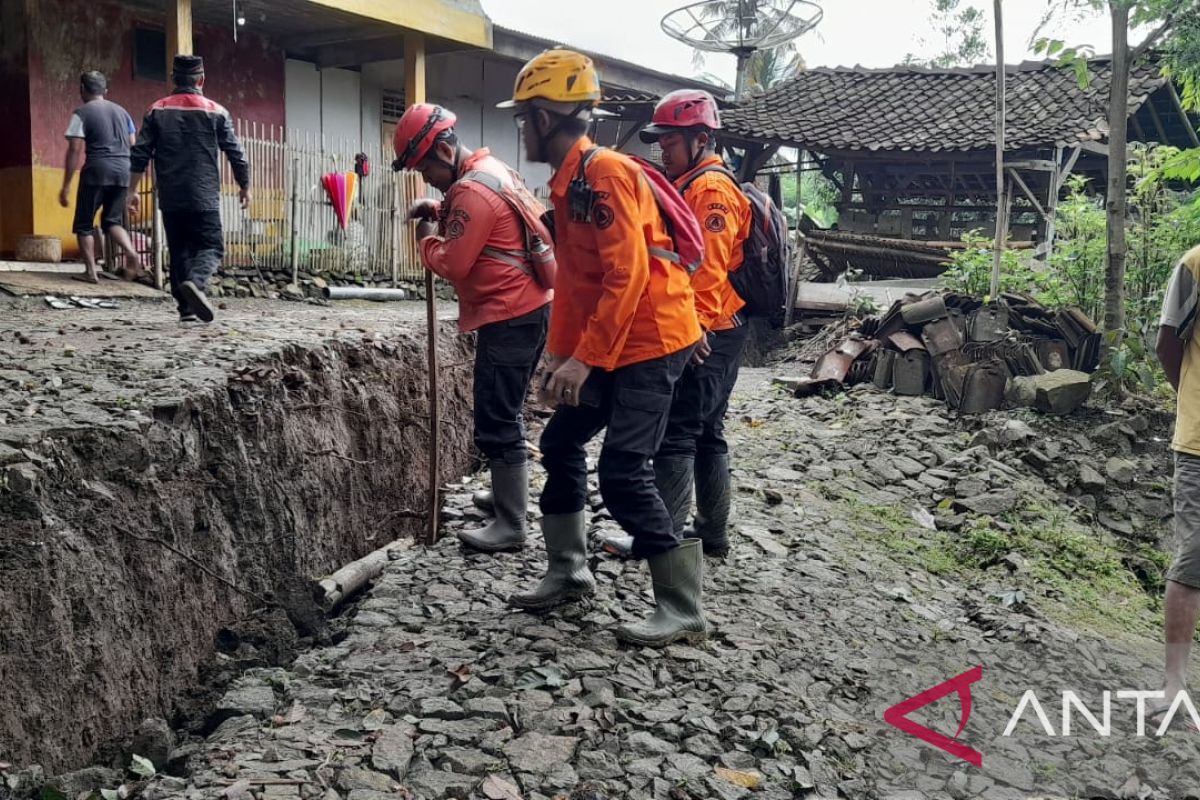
506	356
633	403
196	245
697	421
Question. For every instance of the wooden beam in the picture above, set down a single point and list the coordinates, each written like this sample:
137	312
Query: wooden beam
1187	121
1046	248
349	54
1035	164
1137	129
1067	168
307	41
1158	124
179	30
1094	148
1012	173
414	68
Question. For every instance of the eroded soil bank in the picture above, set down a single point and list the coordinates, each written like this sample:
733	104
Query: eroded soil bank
159	482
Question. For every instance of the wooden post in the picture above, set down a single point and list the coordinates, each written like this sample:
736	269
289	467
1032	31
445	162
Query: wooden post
1001	220
159	238
414	92
1052	205
179	29
797	273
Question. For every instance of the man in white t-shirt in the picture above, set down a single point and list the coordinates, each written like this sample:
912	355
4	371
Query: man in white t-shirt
1179	353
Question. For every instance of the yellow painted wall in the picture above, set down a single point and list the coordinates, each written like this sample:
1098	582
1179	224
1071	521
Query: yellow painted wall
49	218
443	18
16	210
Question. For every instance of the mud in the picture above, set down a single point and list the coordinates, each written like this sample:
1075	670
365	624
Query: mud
239	460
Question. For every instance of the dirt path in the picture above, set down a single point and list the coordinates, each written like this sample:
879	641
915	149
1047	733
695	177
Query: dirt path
833	607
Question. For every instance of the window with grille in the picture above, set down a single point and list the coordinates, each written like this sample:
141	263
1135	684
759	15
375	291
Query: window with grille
393	106
149	54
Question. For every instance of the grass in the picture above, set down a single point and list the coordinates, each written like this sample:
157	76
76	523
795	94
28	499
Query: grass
1076	577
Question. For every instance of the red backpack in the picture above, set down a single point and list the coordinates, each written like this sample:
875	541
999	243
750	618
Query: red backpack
677	216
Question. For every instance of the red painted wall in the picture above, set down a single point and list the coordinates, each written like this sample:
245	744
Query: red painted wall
247	77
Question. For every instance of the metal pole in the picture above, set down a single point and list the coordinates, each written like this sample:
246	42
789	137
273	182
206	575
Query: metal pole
743	68
414	92
1001	216
295	235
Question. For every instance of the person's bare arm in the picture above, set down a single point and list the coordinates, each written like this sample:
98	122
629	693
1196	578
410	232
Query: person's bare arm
74	160
1169	349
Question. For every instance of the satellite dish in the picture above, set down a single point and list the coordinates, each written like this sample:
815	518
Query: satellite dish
740	27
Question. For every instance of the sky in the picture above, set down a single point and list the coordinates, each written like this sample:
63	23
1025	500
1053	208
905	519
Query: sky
872	33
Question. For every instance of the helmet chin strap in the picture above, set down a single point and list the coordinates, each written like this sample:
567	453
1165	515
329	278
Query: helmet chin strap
697	152
544	139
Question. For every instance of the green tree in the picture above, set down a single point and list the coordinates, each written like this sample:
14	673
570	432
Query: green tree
1171	20
963	41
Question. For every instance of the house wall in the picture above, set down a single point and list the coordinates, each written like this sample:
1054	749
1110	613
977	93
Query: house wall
247	77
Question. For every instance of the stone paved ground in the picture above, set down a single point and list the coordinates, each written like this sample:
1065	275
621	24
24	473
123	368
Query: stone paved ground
820	622
82	368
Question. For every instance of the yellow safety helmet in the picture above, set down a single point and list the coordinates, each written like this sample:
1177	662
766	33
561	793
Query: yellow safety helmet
557	76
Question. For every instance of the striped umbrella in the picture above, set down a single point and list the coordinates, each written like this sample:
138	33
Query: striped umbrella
341	188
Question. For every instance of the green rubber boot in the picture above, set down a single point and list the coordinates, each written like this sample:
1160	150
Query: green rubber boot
510	490
567	575
678	577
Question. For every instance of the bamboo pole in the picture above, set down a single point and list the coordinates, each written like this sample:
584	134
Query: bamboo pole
294	253
1001	217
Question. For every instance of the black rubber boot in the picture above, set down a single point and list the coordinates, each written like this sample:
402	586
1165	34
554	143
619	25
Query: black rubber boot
713	499
567	575
510	490
483	500
678	577
673	478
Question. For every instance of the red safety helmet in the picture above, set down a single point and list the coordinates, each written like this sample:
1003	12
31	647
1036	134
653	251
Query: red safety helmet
682	109
416	132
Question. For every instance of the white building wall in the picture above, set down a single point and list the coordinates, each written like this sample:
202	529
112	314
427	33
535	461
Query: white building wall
341	106
328	102
346	103
302	96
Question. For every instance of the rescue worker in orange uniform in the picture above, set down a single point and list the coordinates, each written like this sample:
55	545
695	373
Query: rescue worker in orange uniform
622	329
477	241
694	450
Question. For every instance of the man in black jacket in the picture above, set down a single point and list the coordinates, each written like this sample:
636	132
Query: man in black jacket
185	133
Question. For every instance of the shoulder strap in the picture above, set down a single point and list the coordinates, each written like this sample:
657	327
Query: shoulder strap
485	179
721	168
588	155
514	258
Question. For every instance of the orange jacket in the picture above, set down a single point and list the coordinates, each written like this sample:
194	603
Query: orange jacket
490	289
725	217
614	303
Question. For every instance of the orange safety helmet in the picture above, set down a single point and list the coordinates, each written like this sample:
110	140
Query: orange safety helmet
416	132
559	76
680	110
